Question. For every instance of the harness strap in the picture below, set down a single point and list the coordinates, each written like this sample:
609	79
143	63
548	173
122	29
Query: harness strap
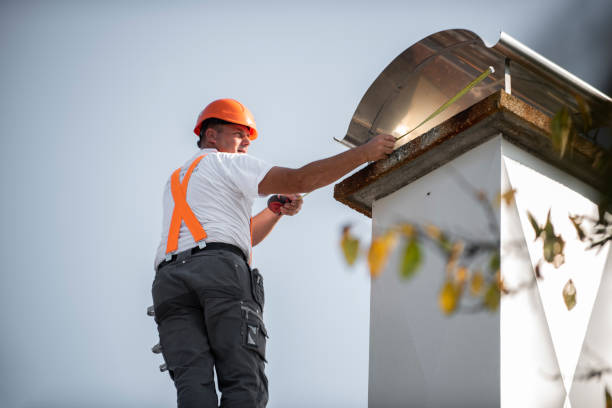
182	211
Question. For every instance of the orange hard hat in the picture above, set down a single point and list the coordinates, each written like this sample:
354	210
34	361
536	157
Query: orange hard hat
229	110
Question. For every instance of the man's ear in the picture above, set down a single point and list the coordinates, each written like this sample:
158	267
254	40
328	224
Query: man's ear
210	137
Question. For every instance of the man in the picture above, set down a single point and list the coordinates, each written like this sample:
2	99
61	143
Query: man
208	300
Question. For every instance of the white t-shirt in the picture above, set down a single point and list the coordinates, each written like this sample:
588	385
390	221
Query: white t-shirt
220	192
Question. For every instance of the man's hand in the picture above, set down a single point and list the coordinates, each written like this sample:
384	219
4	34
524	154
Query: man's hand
292	207
378	147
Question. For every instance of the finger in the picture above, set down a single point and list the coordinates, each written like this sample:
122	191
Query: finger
288	207
285	211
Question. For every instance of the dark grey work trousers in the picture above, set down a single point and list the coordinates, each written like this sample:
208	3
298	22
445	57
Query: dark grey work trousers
208	310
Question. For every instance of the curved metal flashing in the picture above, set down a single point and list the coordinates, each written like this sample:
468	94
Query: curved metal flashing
431	71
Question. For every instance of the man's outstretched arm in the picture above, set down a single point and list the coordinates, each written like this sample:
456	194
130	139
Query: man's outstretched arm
282	180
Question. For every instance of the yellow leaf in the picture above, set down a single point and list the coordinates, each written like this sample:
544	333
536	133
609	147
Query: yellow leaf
569	295
379	251
476	283
350	247
448	298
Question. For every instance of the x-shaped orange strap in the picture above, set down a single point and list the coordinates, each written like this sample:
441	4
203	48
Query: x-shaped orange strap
182	211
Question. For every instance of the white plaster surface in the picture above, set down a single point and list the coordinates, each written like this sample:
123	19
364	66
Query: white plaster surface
419	357
528	363
534	352
540	188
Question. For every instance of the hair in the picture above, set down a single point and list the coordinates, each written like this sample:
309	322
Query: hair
213	123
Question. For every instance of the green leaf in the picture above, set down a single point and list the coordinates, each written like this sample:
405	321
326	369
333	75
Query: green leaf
549	230
561	130
569	295
445	244
491	297
350	246
534	224
411	259
494	262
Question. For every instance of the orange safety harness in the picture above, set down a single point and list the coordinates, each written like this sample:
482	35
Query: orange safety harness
182	211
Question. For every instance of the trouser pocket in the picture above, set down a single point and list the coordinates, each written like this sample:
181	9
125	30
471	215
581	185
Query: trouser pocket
257	287
254	333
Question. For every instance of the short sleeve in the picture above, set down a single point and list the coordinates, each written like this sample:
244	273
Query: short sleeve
245	172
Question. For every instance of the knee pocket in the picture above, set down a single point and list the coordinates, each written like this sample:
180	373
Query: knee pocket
253	332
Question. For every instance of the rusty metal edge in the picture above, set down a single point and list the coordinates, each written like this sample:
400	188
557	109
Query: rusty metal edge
499	104
416	147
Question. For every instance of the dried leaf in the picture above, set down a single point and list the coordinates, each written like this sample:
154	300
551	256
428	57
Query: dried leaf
411	259
457	249
407	230
569	295
433	231
600	160
500	282
379	251
576	221
507	196
461	275
449	297
558	260
608	398
537	272
437	235
350	247
476	283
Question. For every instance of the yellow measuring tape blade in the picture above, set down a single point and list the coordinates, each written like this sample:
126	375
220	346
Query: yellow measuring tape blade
452	100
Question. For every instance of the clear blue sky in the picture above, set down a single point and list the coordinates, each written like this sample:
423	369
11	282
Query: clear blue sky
98	100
